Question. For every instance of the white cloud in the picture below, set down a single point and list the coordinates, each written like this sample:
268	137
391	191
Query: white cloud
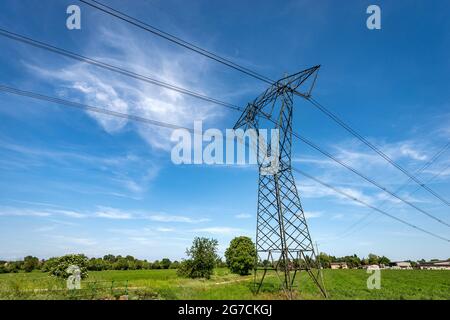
115	92
408	151
45	229
337	216
71	214
112	213
312	214
9	211
129	171
243	216
162	229
319	191
220	230
174	218
74	240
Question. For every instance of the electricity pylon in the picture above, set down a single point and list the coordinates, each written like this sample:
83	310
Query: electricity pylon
283	241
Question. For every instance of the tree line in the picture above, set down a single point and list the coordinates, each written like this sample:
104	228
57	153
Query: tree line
202	258
107	262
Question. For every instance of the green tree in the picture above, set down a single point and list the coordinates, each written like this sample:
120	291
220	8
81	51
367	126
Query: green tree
373	258
384	260
121	263
12	267
201	260
59	266
146	265
156	264
165	263
175	265
241	255
324	259
110	258
30	263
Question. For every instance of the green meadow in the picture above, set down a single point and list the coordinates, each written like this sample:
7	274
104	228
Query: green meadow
165	284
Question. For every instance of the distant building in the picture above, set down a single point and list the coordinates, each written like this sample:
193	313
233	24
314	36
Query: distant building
338	265
438	265
372	267
400	265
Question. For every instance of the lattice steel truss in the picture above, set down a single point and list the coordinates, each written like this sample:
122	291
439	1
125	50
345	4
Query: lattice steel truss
283	241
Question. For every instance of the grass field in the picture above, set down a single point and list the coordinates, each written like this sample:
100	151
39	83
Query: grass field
165	284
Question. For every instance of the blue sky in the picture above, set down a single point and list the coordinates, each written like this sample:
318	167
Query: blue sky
78	182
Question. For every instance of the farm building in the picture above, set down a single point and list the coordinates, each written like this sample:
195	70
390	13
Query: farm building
438	265
338	265
400	265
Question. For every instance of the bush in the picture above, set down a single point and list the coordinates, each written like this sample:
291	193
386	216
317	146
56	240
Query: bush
202	259
58	267
241	255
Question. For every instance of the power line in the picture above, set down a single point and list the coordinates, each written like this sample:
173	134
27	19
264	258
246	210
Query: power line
374	148
89	108
349	230
163	124
313	145
417	189
368	205
113	68
145	26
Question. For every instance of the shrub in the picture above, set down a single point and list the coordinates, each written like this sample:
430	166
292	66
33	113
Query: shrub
58	267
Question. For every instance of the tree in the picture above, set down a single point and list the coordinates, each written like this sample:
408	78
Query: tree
12	267
59	266
30	263
165	263
121	263
110	258
324	259
373	258
241	255
156	264
384	260
202	258
175	265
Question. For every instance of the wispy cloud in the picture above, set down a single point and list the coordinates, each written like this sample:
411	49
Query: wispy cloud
98	87
243	216
9	211
221	230
175	218
74	240
112	213
312	214
162	229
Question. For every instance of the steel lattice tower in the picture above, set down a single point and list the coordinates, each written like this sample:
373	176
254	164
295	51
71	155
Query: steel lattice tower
283	241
